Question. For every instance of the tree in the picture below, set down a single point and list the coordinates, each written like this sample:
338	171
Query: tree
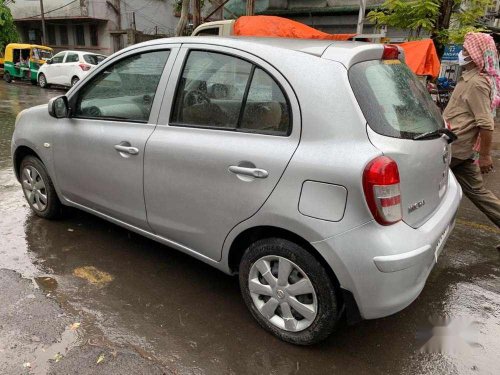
183	20
443	20
8	32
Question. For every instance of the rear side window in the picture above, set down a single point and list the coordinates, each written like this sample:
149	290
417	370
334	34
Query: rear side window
266	109
72	57
225	92
393	101
93	59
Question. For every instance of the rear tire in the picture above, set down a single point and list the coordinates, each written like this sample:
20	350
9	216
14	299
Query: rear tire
34	82
42	81
7	78
38	188
301	318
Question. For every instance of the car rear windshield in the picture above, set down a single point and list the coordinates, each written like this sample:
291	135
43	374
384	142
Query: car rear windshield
394	102
93	59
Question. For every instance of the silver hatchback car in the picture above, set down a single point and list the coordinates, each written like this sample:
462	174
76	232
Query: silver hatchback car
316	170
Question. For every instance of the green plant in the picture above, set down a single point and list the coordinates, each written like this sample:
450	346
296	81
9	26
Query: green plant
8	32
444	20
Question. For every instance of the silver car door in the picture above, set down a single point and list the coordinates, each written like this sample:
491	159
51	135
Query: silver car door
203	174
99	150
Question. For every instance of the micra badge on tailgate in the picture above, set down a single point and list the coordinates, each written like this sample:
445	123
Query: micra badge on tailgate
415	206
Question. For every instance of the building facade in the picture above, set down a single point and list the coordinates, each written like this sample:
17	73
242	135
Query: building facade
101	26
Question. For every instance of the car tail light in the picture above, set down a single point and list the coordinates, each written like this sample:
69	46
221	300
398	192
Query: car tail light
84	67
390	52
382	191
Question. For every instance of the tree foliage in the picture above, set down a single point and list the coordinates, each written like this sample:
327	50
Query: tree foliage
8	32
424	17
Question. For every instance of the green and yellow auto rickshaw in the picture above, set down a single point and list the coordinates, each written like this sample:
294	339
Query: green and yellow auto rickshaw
21	61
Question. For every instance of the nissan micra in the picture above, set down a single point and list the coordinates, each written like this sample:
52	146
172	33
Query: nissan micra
315	170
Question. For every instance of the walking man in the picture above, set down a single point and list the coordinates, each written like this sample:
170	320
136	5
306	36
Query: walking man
470	113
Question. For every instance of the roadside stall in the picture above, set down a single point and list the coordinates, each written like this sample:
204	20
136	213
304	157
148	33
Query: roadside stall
22	61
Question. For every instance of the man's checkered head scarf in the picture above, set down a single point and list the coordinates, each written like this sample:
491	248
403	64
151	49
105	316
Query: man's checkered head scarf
483	51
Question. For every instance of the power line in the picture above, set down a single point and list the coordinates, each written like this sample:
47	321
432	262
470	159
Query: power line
53	10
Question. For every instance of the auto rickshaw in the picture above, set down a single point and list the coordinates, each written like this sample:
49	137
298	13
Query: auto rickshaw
22	61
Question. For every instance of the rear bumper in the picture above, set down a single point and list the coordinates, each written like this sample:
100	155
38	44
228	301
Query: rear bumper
385	268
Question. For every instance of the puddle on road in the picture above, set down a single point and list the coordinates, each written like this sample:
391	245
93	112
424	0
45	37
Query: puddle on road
47	284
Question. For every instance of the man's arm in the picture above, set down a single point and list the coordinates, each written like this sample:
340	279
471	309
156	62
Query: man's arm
485	160
480	105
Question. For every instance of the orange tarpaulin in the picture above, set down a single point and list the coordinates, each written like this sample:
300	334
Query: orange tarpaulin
281	27
421	57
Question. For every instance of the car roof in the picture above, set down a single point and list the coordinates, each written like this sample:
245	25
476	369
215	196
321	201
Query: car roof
314	47
345	52
81	52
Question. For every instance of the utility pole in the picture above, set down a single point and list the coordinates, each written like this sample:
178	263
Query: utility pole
133	20
250	7
361	16
44	40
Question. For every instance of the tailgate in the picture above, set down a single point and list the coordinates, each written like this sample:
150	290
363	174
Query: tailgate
398	108
423	170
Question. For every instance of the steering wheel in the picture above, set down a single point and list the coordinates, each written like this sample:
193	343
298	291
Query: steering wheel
196	97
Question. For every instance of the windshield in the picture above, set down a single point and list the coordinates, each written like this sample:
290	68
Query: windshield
41	54
394	102
93	59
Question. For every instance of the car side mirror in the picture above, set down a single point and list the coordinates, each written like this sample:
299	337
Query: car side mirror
49	61
59	107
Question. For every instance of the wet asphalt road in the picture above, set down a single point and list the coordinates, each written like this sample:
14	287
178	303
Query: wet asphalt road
83	296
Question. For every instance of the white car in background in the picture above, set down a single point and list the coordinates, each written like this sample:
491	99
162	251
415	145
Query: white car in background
67	67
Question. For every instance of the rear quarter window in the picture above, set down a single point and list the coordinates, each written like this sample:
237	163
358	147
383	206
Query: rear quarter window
93	59
394	102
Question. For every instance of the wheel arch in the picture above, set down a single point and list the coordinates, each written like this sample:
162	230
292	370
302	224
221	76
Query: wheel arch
250	235
20	153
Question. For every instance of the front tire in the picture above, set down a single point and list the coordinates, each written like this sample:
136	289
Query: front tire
288	291
42	81
38	188
74	81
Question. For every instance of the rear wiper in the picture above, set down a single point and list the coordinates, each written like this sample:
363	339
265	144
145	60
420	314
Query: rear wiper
448	134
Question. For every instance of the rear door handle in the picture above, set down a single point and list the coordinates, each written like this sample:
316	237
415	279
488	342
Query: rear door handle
253	172
127	149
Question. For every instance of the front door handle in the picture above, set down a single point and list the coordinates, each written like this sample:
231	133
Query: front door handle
253	172
126	149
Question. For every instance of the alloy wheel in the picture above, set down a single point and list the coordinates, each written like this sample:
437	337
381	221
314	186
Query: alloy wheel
283	293
34	188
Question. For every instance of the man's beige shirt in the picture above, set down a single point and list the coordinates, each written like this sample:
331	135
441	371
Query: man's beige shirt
468	111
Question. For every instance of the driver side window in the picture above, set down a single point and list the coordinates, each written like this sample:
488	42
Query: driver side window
57	59
123	91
